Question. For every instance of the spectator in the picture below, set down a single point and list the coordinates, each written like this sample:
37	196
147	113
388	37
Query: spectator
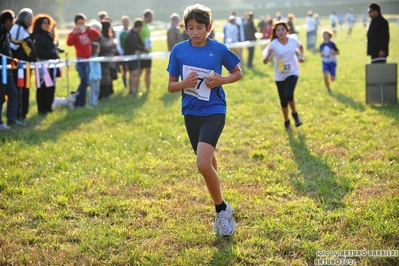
230	33
249	35
120	37
261	23
8	87
268	29
173	34
22	48
290	22
43	27
377	35
311	32
145	35
95	74
134	45
81	37
109	70
241	36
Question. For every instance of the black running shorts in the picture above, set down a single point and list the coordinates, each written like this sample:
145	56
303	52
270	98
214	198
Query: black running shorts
204	129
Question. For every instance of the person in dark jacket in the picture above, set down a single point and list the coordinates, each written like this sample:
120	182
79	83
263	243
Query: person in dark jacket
44	43
134	45
7	86
22	49
377	35
109	70
249	33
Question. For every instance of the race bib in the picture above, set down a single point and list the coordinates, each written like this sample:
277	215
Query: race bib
201	91
285	66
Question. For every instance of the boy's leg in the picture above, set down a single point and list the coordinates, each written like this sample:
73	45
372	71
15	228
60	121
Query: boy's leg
205	157
83	69
326	82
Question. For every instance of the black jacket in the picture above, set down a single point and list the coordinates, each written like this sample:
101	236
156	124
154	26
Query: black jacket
133	43
44	45
5	41
378	36
249	30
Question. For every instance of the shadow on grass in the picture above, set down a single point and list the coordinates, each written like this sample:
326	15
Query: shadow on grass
225	254
391	111
170	98
348	101
124	107
315	178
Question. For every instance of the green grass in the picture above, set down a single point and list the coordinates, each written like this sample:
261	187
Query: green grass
118	185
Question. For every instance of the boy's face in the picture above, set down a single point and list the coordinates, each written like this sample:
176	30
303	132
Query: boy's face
326	36
125	23
197	32
80	22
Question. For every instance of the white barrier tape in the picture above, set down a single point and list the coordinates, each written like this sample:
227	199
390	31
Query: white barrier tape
119	58
125	58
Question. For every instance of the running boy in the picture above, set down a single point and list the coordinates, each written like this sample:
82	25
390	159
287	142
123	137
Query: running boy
198	62
328	52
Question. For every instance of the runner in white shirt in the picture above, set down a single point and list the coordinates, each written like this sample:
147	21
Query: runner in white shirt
350	20
286	68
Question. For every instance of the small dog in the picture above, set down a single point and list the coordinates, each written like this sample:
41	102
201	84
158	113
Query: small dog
67	102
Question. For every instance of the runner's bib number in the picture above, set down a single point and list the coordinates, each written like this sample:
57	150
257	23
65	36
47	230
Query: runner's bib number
284	66
201	91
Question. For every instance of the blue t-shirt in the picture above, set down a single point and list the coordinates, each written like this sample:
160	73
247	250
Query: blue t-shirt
212	56
325	49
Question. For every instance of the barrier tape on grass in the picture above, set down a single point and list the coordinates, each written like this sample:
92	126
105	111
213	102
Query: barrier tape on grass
121	58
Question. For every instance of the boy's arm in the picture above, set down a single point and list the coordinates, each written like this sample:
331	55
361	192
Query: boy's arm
71	38
335	50
218	80
174	85
93	33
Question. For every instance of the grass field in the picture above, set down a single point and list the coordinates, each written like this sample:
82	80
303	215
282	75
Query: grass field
118	185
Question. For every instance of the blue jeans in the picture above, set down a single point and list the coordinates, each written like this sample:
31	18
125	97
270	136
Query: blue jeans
83	69
10	90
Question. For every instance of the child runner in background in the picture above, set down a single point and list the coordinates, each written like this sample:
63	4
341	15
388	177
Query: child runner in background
328	52
198	63
286	68
94	74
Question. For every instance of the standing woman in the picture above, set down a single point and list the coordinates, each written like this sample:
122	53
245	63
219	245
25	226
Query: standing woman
286	68
22	49
43	28
108	69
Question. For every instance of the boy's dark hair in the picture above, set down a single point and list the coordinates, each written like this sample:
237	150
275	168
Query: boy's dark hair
200	13
148	12
79	16
5	15
94	46
138	22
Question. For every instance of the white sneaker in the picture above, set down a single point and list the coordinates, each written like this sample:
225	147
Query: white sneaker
4	127
224	223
